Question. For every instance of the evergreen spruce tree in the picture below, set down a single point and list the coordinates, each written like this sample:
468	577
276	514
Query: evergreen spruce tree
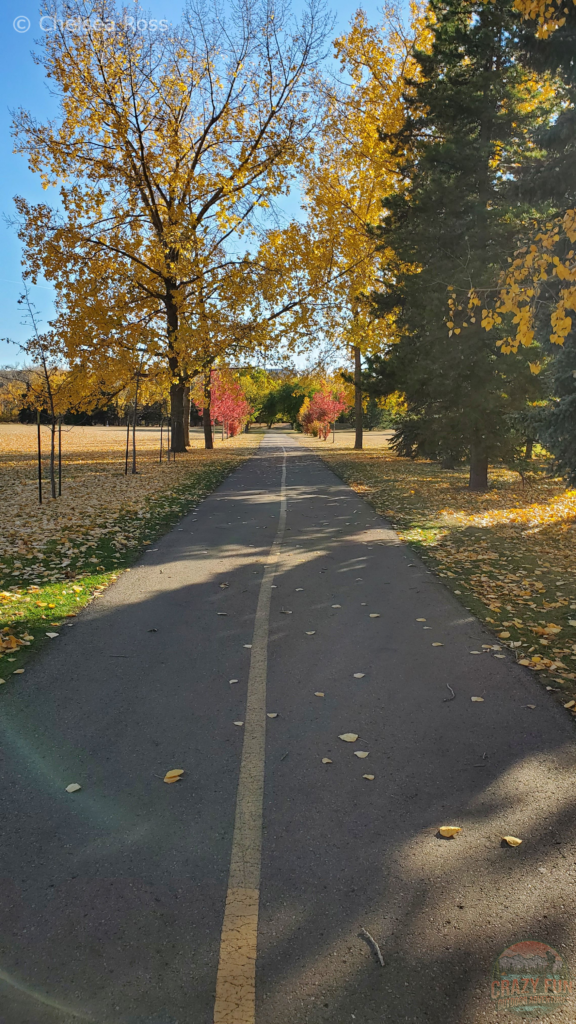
548	182
555	424
453	230
374	416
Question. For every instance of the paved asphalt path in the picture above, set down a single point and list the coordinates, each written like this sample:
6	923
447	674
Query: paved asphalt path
112	898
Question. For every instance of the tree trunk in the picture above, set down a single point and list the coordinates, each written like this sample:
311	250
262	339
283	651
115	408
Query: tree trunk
208	441
39	458
134	421
358	396
448	462
177	416
186	419
176	389
529	448
53	457
60	455
478	469
127	442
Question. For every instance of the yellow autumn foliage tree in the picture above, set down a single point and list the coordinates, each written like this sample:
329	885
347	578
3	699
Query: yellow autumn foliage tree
167	148
354	167
540	281
548	15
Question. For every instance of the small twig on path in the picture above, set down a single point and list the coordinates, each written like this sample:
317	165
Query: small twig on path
284	755
373	944
444	699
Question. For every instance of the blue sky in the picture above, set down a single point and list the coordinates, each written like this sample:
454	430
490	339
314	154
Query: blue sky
22	85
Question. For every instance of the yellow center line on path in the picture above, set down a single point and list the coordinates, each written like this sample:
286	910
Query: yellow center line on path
236	979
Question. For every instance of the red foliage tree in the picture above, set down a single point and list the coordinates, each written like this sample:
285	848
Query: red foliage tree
324	408
229	405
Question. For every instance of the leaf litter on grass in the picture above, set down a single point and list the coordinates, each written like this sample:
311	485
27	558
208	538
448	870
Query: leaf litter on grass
56	557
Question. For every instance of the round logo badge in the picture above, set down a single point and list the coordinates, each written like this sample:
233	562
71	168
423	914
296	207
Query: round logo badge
530	977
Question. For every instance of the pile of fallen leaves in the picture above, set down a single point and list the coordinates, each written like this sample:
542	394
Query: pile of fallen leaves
509	554
54	557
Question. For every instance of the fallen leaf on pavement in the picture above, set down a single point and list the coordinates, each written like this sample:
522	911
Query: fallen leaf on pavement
529	706
570	704
511	840
336	605
477	698
248	646
349	737
421	620
298	589
238	723
326	760
359	675
73	787
18	671
374	615
310	632
318	694
449	830
370	777
361	753
52	635
221	613
437	644
504	636
271	714
173	775
233	680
